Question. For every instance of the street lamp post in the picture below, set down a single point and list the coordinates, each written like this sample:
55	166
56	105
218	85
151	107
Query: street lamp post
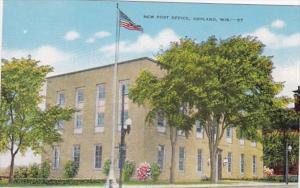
287	150
125	128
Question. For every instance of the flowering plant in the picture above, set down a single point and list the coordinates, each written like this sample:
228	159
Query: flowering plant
143	171
268	171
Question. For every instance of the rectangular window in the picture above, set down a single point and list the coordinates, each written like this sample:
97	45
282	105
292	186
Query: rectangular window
79	95
100	119
254	165
101	92
199	129
253	143
160	119
229	135
242	163
76	154
160	156
126	102
78	119
242	141
181	159
229	163
124	156
199	160
98	156
60	99
55	160
59	125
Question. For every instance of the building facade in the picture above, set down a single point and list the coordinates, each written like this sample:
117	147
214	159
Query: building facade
87	136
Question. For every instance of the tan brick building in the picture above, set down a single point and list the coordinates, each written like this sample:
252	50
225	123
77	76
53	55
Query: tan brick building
87	137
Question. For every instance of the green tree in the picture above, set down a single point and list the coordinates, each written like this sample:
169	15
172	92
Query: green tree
282	130
225	84
23	124
159	95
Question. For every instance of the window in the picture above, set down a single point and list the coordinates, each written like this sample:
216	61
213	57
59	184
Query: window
100	119
160	156
61	99
229	163
254	165
55	160
242	164
76	154
160	122
79	95
181	159
101	92
124	156
98	156
242	141
126	102
253	143
199	160
59	125
229	135
160	119
199	129
78	119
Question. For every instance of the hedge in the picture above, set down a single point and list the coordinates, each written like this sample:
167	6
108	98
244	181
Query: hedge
39	181
291	178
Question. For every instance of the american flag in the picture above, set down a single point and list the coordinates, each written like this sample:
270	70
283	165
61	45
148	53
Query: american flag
127	23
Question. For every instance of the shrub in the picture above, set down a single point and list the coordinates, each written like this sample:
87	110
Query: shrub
21	172
128	170
71	169
143	171
33	171
106	167
41	181
155	171
44	170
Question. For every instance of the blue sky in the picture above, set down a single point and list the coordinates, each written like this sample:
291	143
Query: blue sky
74	35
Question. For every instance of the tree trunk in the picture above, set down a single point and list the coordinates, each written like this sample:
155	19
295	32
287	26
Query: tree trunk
213	164
173	139
11	168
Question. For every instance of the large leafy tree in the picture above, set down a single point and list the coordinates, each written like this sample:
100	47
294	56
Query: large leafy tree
226	83
23	124
282	130
160	95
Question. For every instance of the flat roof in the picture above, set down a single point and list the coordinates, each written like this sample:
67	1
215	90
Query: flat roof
103	66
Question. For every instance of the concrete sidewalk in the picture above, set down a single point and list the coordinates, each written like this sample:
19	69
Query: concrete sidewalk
245	184
233	184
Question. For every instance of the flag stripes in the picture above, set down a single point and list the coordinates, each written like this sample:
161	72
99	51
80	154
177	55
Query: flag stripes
126	22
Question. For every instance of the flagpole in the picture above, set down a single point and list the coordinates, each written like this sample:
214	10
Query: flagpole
111	181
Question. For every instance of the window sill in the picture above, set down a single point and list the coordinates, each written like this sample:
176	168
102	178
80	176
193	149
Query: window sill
199	135
78	131
99	129
161	129
229	141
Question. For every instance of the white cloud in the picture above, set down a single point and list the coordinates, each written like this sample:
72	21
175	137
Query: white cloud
46	54
102	34
290	74
276	41
90	40
278	24
98	35
72	35
144	43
